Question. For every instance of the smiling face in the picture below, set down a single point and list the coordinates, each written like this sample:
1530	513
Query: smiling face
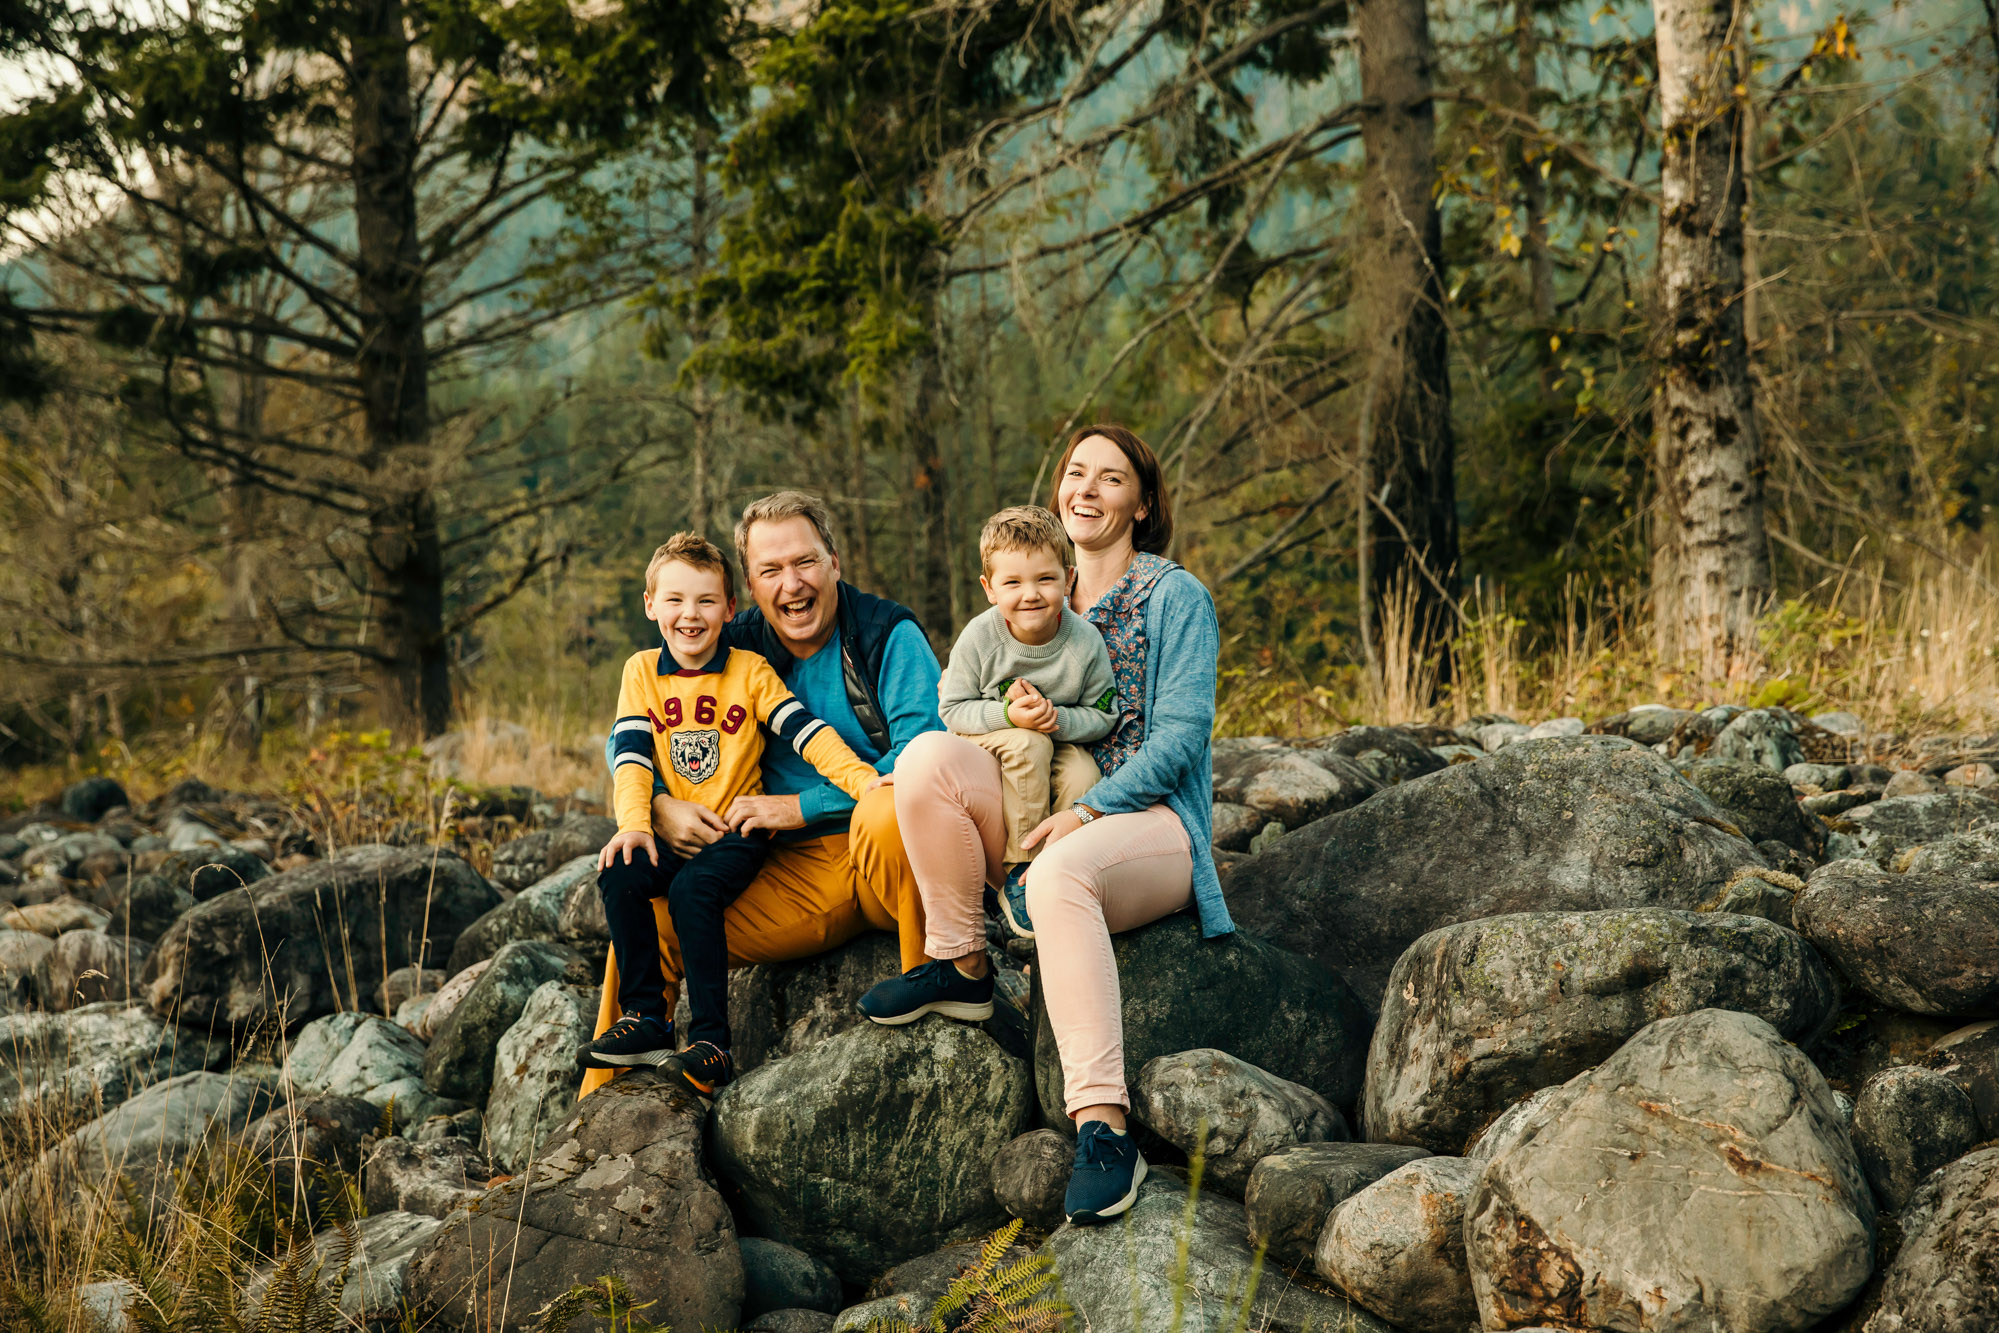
795	581
1028	587
1099	497
690	606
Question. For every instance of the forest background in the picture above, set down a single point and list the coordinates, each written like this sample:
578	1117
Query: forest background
1400	333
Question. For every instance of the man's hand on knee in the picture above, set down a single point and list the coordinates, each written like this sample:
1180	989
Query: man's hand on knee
684	826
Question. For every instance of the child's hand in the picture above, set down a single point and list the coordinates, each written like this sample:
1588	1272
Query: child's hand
1030	709
879	780
623	845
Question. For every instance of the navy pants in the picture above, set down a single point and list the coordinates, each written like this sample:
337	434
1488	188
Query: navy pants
697	890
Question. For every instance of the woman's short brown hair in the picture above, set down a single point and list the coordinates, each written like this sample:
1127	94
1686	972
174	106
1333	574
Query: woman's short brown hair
1154	532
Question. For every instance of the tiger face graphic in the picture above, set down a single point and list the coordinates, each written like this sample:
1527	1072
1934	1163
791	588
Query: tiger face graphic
696	755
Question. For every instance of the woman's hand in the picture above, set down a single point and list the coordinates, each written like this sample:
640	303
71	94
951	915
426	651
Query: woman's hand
1052	829
622	845
684	826
1028	707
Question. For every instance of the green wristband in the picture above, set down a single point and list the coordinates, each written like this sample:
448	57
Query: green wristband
1006	711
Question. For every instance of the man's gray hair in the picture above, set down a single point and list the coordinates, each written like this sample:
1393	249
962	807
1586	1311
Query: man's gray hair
777	507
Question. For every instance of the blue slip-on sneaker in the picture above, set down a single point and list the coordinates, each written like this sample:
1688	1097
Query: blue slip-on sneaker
1105	1179
933	988
1013	902
632	1041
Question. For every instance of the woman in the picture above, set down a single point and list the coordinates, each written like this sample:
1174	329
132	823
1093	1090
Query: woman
1135	848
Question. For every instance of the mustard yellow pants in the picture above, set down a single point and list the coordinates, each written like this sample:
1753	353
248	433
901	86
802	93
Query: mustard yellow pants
810	897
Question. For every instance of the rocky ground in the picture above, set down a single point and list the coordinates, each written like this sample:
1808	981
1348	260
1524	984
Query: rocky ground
1672	1021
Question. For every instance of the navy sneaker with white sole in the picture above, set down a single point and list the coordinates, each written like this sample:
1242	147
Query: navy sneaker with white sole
933	988
634	1041
1105	1179
1013	902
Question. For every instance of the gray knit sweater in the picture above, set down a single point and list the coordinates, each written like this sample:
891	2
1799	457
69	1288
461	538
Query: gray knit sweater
1072	670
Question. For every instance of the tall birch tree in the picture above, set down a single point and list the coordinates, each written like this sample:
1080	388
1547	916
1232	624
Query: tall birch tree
1710	560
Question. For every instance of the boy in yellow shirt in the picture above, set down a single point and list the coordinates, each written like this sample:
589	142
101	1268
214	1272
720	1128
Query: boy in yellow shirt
691	711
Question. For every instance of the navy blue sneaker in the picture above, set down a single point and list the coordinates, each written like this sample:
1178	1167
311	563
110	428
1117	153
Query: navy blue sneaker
631	1041
933	988
1013	902
1105	1180
704	1069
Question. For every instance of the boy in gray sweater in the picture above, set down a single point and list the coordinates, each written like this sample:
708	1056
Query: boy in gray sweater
1030	680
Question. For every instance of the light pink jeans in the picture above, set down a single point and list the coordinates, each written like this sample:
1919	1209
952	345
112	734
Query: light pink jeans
1115	873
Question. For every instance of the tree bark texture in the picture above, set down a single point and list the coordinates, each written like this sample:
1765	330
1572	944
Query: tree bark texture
405	547
1710	564
1410	463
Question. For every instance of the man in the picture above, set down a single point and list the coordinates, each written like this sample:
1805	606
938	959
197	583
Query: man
863	665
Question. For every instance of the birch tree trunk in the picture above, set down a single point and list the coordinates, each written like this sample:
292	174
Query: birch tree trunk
1410	455
1710	561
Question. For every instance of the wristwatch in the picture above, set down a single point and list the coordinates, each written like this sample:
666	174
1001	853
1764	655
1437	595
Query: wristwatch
1083	812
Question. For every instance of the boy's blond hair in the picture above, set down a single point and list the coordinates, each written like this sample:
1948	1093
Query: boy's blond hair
691	548
1022	528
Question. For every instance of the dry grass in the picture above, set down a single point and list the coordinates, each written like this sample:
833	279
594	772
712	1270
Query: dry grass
1918	653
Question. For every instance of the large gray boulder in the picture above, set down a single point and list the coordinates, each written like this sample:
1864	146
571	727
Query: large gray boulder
1761	737
95	1056
24	970
305	1144
1893	824
1969	1057
432	1178
1031	1175
779	1009
1922	943
1945	1278
1907	1122
535	1080
873	1146
143	1140
1397	1247
365	1056
367	1259
1231	1112
532	914
1699	1178
525	860
779	1277
1293	1192
1234	993
313	940
1135	1276
459	1061
91	967
1292	787
1480	1014
621	1188
1389	753
1759	802
1577	824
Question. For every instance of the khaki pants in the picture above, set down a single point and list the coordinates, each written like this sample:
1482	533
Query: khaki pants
1037	774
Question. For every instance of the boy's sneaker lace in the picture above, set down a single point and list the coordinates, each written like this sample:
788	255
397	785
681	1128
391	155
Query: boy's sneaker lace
633	1041
1105	1179
704	1068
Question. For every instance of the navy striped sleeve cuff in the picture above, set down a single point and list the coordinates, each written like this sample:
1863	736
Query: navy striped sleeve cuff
793	724
631	743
